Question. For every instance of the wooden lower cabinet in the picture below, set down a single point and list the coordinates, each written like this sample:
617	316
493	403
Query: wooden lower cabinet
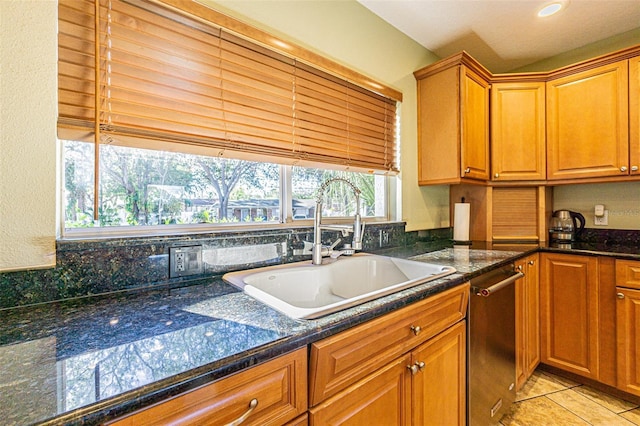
590	318
405	368
439	387
424	387
527	319
627	328
569	313
628	325
382	398
278	386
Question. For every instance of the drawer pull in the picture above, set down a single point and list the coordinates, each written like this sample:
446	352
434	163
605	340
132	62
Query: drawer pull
415	368
416	329
620	295
252	406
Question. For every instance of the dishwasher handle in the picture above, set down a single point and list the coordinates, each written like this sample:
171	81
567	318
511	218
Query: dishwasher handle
486	292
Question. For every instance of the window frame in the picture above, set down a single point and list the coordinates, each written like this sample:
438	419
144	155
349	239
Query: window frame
286	220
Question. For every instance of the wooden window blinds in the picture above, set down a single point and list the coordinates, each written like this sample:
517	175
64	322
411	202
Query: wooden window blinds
171	80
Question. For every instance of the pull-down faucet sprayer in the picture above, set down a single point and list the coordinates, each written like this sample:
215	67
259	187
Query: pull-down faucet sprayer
358	226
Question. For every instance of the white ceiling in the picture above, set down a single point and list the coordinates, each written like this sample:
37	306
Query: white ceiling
506	34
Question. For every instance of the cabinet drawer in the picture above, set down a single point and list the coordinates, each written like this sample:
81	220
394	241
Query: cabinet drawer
628	273
341	360
278	385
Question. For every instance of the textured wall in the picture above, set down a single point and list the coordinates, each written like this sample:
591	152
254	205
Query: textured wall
28	54
621	199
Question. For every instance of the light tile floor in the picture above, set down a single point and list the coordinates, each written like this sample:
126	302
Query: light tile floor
549	400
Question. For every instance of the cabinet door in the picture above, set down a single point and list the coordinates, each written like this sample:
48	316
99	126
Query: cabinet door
518	149
569	313
439	379
527	320
439	128
474	151
587	123
382	398
627	329
634	115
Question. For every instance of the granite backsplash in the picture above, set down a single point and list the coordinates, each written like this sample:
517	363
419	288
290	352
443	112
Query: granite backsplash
101	266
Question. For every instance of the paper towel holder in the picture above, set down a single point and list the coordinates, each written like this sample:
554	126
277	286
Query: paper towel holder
462	212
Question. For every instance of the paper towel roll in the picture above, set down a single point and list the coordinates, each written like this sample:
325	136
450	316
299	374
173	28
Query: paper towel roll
461	214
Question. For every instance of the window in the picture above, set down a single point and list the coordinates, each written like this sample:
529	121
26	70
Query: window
142	188
172	118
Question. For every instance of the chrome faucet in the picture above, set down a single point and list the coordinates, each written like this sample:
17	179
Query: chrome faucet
318	250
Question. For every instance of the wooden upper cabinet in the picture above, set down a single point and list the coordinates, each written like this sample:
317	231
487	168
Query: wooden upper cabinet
453	121
474	163
634	115
588	123
518	149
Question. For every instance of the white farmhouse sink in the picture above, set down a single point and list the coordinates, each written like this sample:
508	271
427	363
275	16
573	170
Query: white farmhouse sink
303	290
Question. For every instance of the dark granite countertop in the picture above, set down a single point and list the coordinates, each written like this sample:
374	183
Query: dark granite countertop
87	360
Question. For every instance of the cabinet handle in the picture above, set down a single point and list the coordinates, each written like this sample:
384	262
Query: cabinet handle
532	262
620	295
634	168
415	368
416	329
467	170
497	175
252	406
623	169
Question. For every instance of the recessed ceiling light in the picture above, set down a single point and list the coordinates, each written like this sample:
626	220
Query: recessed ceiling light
549	10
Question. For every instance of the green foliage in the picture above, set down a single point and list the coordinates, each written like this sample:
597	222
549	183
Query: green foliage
141	187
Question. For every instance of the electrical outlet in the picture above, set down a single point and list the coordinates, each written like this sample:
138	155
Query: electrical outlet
180	257
384	238
185	261
602	220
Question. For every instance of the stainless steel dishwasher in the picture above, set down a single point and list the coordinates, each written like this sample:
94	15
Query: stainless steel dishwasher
491	346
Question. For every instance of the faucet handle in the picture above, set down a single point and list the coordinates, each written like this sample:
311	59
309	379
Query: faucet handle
346	250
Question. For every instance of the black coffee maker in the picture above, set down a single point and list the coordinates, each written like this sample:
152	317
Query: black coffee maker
565	226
